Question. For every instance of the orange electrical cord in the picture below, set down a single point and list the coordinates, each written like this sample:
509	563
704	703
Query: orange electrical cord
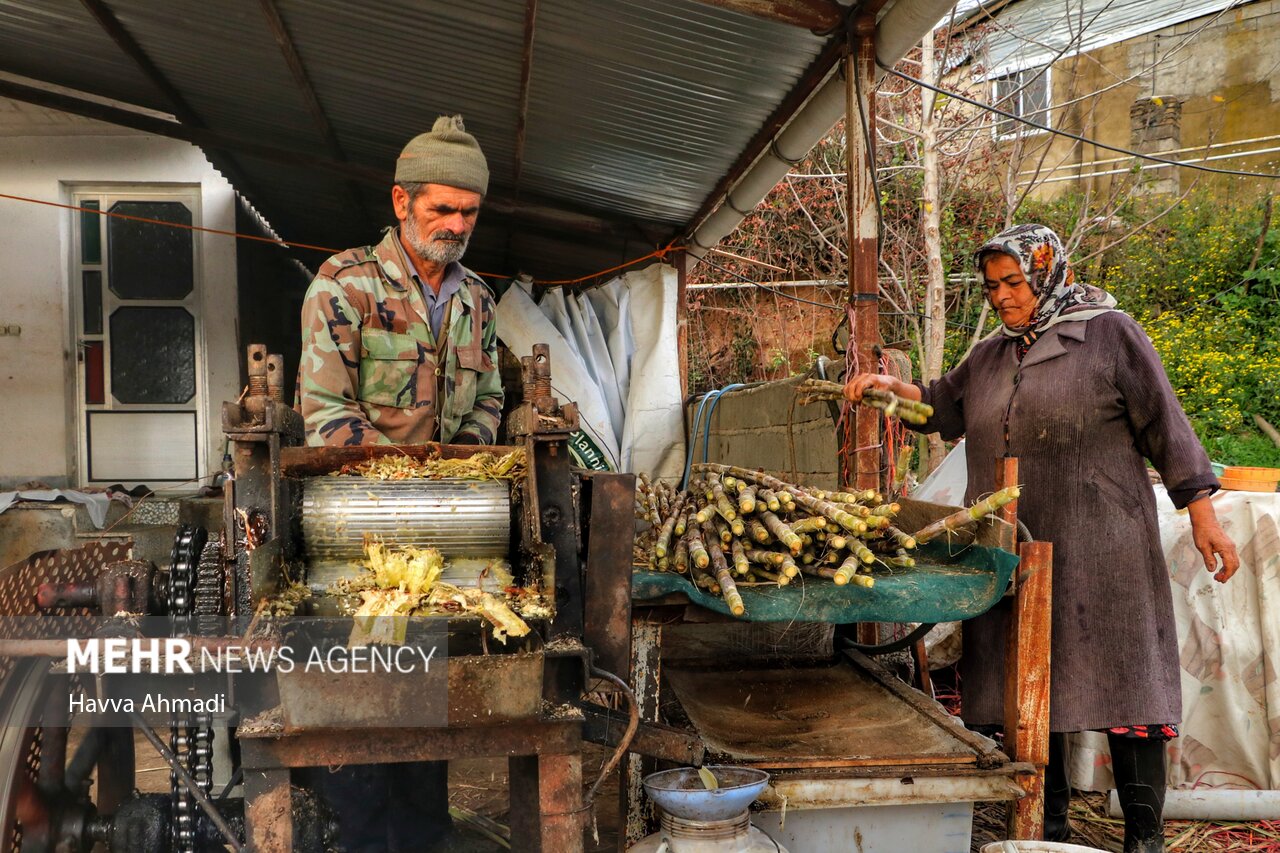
275	241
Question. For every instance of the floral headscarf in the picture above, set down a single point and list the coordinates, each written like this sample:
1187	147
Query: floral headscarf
1061	299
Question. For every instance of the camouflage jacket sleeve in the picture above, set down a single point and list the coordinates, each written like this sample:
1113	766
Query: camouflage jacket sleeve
486	413
329	371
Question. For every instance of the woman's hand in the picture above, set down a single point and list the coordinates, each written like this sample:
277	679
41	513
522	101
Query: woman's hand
1210	539
854	389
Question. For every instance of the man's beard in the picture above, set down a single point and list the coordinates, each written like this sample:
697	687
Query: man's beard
443	247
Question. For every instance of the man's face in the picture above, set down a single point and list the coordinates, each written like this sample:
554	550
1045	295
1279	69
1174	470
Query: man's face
438	221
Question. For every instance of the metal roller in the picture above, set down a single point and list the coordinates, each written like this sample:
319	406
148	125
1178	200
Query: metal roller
461	518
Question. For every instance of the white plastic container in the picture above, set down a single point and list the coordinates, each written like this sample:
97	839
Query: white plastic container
1036	847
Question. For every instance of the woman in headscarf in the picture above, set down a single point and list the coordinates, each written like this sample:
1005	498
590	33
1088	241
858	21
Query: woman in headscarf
1073	388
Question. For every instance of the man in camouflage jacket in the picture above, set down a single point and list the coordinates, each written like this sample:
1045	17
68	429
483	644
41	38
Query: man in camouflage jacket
399	340
399	346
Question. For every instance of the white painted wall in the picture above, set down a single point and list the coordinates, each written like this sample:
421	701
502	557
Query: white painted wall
46	155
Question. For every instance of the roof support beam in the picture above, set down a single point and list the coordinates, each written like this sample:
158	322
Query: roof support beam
822	16
528	210
300	78
526	76
111	25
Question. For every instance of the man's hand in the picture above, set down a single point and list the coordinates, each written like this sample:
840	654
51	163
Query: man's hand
1212	541
465	438
861	382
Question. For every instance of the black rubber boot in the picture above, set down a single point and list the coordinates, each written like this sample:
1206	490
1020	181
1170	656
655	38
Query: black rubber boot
1138	765
1057	790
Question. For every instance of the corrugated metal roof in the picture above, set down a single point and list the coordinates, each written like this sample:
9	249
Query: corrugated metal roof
636	109
1030	33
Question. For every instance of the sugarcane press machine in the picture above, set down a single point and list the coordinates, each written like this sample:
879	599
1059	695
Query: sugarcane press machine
562	533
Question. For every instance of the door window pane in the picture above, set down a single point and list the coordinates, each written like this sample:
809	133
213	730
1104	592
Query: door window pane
93	373
148	260
153	355
90	234
91	284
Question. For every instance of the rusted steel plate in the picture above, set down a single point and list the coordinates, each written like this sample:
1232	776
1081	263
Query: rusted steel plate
829	716
610	533
261	750
481	690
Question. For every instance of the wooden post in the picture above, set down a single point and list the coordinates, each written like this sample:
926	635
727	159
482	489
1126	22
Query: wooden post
863	224
1007	475
269	817
546	802
1026	685
681	261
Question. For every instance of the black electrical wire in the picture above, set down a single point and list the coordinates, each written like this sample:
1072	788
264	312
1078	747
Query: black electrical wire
1077	137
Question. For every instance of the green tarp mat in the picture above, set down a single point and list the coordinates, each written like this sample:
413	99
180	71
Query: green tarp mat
948	583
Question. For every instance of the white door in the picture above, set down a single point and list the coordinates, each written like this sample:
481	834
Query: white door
135	283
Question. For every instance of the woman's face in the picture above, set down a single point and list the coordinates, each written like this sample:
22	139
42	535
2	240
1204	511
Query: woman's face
1008	290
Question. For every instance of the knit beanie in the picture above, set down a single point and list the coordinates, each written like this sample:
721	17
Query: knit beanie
447	155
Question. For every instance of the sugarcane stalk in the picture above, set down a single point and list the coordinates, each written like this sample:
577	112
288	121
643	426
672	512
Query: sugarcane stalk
782	532
681	560
789	567
757	531
697	550
682	522
723	505
769	498
877	522
776	577
862	552
911	411
765	558
903	540
747	499
847	570
812	524
740	563
837	542
890	509
968	516
819	572
728	589
668	527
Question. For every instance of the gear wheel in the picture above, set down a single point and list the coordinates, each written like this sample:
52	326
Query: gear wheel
207	596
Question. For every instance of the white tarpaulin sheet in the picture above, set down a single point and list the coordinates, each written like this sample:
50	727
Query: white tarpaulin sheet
1229	642
614	352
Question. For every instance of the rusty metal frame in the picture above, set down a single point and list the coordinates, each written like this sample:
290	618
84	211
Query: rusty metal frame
544	760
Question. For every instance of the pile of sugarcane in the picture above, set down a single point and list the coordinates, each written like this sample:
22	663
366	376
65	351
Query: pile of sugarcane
736	527
911	411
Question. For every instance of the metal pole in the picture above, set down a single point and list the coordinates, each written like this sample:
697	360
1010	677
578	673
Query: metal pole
189	783
863	225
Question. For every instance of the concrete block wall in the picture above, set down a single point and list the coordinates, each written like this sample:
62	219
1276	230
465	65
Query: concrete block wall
750	428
